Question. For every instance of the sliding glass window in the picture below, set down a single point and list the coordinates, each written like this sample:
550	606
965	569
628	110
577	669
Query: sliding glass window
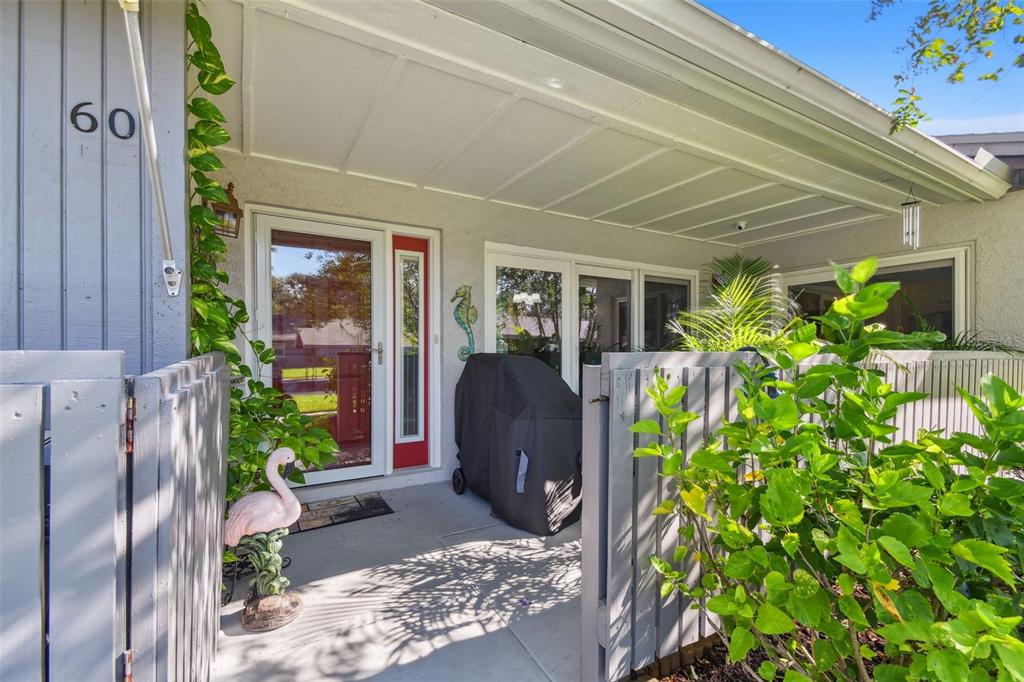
925	301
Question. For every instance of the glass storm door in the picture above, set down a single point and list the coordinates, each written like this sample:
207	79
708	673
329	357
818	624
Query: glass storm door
327	328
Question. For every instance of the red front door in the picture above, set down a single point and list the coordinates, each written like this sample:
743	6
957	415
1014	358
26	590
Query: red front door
412	331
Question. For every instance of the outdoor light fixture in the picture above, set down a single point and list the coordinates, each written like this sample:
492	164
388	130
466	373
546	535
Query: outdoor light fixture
228	213
911	220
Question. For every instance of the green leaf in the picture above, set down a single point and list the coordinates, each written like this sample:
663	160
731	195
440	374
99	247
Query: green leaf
695	500
648	426
907	529
202	108
740	565
904	494
843	279
794	676
780	412
215	83
721	604
1000	396
207	161
852	610
849	551
801	350
944	586
864	270
666	507
767	671
198	27
711	460
652	450
790	543
813	610
771	620
670	464
782	503
911	630
1011	655
988	556
955	504
897	550
210	133
741	641
734	535
947	664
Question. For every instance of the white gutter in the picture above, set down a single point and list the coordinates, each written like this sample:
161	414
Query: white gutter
758	66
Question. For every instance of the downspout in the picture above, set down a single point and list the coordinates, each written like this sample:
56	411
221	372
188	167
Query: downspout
171	273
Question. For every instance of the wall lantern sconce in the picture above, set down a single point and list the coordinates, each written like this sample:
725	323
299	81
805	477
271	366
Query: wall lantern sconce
228	213
911	220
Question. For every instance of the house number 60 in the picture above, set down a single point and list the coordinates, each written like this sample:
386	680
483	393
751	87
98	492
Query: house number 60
120	121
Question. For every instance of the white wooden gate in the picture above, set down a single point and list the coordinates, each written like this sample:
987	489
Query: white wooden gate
626	624
111	508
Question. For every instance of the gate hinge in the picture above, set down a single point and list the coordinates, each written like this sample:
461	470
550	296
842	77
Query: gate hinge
128	655
129	418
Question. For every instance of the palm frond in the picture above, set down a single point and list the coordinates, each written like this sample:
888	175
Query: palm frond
738	314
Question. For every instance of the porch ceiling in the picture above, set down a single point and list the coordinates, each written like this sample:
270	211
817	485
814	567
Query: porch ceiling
555	107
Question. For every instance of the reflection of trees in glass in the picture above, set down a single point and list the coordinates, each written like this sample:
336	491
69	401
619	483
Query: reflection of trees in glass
527	299
319	315
590	326
338	290
410	275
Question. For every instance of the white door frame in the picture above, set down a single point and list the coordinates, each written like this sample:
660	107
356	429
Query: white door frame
379	362
492	261
606	272
257	275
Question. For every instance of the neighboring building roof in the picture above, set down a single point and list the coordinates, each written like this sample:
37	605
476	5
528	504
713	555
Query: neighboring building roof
330	334
1008	148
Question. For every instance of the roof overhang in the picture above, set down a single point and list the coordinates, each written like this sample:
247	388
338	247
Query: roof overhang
650	115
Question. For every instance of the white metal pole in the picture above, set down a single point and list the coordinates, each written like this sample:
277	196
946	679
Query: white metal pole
171	273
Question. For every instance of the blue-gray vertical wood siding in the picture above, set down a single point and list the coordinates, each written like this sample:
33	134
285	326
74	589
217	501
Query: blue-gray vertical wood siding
80	251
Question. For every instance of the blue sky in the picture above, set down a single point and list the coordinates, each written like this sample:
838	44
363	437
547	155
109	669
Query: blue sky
835	38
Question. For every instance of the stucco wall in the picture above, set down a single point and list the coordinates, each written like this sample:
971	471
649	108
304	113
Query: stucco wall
994	231
465	225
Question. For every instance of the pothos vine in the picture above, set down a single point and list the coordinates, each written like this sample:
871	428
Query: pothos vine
262	417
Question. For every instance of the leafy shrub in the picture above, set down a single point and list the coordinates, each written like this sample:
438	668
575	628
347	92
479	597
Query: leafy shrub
840	553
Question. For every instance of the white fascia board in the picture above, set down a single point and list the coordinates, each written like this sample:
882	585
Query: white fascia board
759	67
639	41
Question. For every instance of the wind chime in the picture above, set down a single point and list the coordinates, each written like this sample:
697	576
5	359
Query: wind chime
911	220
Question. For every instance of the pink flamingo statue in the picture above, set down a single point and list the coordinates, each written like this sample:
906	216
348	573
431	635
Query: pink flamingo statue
258	521
264	511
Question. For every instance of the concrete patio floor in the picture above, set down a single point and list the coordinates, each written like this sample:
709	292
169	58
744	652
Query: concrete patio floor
439	590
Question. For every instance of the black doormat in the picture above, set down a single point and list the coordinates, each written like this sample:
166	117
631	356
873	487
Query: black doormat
340	510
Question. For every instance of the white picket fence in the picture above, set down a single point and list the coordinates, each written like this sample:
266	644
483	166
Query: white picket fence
111	508
626	624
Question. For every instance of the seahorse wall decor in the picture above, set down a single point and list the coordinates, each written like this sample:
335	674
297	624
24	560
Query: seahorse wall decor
465	315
